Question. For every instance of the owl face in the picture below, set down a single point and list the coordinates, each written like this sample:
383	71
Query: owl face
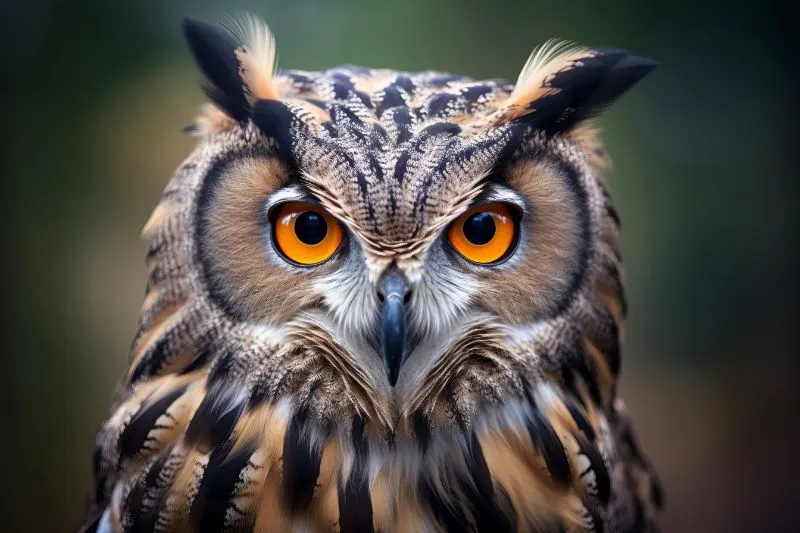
395	242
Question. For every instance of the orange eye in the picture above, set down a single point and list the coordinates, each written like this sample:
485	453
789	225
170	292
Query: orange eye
484	234
306	233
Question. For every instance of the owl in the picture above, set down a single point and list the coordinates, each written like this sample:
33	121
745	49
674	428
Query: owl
381	301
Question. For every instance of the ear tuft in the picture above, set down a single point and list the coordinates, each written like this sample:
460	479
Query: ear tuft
239	63
563	85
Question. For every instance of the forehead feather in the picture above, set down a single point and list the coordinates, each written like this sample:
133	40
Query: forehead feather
393	158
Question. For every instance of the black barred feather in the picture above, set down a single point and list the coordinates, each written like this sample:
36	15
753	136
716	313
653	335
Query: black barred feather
301	462
592	518
100	473
438	128
476	465
589	378
343	89
355	503
213	500
439	104
451	519
613	349
422	430
405	83
198	360
143	519
546	441
215	418
478	512
580	420
570	385
602	480
156	357
488	517
392	98
134	437
442	80
157	275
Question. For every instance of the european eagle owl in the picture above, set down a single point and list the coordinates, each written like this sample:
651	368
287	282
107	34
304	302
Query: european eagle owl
381	301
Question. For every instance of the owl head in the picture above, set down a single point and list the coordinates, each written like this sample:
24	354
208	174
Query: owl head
376	253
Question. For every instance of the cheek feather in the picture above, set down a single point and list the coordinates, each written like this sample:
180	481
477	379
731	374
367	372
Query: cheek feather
544	272
245	274
351	299
440	298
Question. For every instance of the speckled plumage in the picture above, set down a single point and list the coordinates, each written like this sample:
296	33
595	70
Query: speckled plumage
255	398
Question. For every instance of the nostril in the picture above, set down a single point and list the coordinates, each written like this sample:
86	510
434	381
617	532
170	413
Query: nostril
406	297
393	287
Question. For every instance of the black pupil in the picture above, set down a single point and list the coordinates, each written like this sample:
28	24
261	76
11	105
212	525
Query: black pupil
310	228
479	228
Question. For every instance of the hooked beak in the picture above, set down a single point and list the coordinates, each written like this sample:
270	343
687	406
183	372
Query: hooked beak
393	290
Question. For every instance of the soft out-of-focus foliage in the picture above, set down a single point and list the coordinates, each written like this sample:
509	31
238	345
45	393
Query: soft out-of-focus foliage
94	97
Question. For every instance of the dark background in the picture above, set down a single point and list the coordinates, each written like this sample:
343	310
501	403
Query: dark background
94	97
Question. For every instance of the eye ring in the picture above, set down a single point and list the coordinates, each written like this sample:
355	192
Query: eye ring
485	234
304	233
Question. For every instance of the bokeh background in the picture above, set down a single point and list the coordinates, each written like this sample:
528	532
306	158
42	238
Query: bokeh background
94	97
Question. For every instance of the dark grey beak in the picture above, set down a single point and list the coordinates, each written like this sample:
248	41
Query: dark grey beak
393	292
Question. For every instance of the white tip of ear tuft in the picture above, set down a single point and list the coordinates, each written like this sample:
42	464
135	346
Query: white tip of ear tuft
553	50
257	56
532	83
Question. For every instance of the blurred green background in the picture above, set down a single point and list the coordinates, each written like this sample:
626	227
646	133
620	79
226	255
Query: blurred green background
94	97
